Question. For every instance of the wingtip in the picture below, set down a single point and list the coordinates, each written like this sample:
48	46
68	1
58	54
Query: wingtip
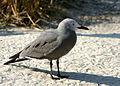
6	63
10	61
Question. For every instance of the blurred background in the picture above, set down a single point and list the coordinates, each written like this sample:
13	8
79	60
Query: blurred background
38	13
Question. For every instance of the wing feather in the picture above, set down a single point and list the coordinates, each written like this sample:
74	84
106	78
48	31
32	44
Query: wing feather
42	46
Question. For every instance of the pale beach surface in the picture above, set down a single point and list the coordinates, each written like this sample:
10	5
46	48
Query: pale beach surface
94	61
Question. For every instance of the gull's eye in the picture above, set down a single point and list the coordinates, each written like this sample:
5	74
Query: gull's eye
73	24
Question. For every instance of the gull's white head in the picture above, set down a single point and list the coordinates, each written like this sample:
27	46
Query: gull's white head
70	24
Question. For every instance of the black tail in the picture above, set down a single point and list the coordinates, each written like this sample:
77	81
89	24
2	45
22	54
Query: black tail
14	59
11	61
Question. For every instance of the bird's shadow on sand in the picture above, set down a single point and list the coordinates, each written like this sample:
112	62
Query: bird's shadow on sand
92	78
114	35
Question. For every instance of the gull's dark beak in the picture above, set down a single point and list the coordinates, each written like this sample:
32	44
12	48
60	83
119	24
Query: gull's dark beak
82	27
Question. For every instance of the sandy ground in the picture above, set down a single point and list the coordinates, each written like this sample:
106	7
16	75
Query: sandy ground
94	61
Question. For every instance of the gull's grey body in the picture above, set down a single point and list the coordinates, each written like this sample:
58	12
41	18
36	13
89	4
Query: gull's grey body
51	45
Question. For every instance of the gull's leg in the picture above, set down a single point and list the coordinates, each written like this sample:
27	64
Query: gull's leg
59	71
51	71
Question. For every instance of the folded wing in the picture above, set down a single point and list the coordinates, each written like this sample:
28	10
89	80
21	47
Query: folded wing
42	46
